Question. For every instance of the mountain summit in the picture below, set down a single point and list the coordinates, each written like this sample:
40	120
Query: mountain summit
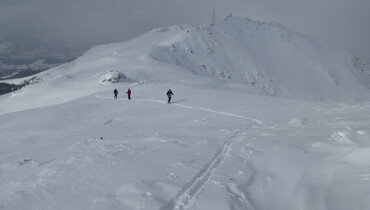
266	57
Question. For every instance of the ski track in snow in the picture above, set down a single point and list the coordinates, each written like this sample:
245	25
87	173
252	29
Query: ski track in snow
186	197
218	112
192	107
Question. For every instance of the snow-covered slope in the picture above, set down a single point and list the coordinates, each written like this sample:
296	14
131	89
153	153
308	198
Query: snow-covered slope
224	142
267	56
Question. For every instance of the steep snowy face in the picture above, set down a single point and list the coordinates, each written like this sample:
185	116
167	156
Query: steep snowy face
266	57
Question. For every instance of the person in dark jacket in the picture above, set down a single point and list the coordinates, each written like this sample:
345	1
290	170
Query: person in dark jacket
115	93
169	94
129	94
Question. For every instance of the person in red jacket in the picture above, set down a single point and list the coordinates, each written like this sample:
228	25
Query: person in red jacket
129	94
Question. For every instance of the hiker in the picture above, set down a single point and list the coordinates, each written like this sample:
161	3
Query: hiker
129	94
115	93
169	94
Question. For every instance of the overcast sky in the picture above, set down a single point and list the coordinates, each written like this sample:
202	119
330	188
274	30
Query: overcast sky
79	24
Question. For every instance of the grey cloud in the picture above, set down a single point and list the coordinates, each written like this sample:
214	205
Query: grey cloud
79	24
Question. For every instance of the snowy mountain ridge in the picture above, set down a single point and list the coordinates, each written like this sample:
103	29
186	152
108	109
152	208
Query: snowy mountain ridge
263	58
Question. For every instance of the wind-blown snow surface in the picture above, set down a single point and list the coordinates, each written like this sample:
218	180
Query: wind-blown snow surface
67	144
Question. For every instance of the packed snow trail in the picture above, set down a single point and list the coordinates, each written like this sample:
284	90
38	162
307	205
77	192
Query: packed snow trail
185	198
218	112
193	107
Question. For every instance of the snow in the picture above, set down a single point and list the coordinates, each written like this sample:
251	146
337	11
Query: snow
222	144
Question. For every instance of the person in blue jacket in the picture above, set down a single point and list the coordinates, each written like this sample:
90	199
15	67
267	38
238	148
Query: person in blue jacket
115	93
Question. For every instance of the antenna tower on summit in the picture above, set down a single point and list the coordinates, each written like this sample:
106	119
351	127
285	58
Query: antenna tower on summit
213	15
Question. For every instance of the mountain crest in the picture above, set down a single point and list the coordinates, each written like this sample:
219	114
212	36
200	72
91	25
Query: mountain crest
237	53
